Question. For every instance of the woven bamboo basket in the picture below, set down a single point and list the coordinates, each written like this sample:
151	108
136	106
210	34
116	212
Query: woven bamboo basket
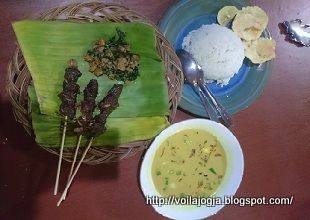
19	77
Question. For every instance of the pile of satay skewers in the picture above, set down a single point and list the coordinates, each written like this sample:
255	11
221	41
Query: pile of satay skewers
86	125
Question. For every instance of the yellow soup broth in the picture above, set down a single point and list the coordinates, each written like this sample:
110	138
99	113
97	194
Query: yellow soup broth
190	162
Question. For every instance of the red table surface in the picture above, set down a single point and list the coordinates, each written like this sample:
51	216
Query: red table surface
274	133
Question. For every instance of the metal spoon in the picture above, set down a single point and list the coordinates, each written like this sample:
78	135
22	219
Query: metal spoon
194	76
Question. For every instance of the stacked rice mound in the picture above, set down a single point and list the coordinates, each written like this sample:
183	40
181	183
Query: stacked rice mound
217	49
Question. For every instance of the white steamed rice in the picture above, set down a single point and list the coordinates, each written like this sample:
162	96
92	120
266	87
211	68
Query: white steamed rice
217	49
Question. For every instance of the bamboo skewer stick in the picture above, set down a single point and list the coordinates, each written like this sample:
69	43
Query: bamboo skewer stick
60	155
67	108
74	160
106	106
75	172
75	156
87	108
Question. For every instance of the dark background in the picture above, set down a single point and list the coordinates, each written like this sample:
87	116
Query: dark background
274	133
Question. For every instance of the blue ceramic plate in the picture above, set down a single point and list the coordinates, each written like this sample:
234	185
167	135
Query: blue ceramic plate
244	87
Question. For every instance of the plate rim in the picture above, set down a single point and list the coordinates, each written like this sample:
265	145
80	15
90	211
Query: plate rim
191	106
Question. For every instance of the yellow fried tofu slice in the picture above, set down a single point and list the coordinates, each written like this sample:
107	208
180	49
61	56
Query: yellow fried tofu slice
250	23
260	50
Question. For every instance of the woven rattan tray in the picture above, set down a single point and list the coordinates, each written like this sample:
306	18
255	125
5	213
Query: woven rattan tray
19	76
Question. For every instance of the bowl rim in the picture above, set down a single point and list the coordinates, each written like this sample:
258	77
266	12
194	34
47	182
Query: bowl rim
230	182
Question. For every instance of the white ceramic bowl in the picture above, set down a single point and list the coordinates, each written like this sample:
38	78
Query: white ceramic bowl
228	186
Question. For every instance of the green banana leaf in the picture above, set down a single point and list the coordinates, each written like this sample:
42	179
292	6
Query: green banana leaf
48	45
119	130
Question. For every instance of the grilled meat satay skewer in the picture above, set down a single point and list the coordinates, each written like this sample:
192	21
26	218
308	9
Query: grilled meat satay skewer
86	119
108	104
87	107
68	106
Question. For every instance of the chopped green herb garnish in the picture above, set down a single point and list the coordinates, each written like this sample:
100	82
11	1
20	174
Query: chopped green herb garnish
163	151
178	173
212	171
200	184
192	153
166	182
158	173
